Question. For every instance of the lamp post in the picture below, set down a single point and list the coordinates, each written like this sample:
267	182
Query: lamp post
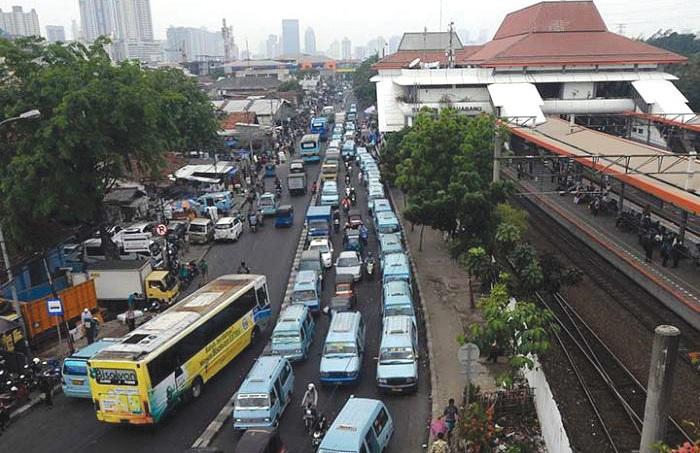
30	114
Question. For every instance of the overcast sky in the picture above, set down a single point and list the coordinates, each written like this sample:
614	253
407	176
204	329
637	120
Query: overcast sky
362	20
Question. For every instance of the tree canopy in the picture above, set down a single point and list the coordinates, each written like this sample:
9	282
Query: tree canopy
364	90
688	74
99	121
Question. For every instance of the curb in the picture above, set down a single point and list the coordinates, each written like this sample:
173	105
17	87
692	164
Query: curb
426	318
20	411
205	439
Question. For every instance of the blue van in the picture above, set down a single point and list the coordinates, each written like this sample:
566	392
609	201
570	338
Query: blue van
343	350
397	368
395	266
363	426
329	194
348	150
390	243
264	394
74	377
381	205
386	222
397	300
293	333
307	290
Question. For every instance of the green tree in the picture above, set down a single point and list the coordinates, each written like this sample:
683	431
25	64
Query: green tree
688	74
365	90
100	121
292	85
511	329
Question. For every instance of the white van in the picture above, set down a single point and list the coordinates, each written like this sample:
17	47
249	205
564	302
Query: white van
397	365
228	229
201	230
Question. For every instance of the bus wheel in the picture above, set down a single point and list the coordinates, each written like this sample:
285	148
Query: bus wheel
196	390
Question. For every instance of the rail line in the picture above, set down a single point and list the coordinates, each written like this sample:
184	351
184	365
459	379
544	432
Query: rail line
614	393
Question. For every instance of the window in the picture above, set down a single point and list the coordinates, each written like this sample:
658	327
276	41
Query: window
261	292
380	422
369	441
284	374
549	90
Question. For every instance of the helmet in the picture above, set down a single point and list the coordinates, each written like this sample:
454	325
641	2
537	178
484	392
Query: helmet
36	360
311	386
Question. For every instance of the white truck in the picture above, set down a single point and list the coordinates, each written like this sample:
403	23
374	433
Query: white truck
116	280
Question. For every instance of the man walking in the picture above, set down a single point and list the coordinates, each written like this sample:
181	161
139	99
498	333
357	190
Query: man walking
46	386
88	325
439	445
204	271
450	414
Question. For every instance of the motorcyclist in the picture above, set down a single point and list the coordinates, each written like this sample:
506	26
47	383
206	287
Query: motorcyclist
310	396
243	269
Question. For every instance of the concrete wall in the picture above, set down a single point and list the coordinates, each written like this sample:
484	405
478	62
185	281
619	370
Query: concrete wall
391	118
552	426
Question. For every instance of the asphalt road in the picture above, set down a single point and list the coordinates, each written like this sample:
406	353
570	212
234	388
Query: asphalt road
410	412
71	426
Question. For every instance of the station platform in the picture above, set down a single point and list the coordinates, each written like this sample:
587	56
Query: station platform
677	288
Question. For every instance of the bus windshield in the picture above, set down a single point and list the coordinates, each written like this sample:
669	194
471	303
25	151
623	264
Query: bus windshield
285	337
305	295
308	145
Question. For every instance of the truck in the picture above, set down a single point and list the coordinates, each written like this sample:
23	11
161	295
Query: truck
318	221
115	281
296	183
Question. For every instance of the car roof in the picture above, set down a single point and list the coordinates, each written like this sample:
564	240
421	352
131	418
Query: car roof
225	220
305	278
395	287
346	253
394	259
92	349
259	377
386	215
348	428
323	241
200	221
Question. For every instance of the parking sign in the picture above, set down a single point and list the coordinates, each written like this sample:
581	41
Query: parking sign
54	307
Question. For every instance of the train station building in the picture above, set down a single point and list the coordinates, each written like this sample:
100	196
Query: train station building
550	58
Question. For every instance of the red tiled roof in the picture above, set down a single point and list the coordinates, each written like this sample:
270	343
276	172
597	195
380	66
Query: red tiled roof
548	34
552	17
584	47
232	119
402	58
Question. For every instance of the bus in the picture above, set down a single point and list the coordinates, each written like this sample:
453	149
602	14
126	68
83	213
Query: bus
167	360
310	148
319	125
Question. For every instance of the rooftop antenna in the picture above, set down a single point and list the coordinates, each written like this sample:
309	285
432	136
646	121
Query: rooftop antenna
451	49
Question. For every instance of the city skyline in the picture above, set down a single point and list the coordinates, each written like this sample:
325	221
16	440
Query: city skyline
479	21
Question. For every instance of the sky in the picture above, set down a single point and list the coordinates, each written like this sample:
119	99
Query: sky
362	20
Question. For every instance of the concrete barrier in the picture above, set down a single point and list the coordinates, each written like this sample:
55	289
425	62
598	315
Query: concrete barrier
551	423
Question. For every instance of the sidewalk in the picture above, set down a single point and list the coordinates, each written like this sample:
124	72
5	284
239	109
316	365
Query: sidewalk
444	292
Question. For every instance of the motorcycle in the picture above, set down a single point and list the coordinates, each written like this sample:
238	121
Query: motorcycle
370	267
319	432
336	224
309	418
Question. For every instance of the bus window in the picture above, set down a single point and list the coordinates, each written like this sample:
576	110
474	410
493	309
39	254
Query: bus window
263	300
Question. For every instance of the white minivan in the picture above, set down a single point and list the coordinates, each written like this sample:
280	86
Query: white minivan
228	229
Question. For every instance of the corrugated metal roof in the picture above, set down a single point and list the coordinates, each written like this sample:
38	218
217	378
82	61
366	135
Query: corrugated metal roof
429	41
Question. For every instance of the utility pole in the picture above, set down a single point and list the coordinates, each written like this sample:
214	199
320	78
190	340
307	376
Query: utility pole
664	353
497	145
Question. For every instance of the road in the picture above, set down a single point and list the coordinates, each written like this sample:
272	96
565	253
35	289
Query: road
71	426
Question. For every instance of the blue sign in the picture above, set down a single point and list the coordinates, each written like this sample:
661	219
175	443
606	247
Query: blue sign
54	307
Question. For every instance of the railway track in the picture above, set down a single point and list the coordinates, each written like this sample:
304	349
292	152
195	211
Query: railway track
614	393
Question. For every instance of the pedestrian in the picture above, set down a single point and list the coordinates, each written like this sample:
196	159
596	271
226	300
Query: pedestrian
450	414
363	234
130	319
665	252
439	445
243	268
204	271
131	301
46	386
89	325
676	249
438	426
4	418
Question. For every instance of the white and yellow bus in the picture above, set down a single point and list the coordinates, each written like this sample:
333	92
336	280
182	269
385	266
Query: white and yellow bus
168	359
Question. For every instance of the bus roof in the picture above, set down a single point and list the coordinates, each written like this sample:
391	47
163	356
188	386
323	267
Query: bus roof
311	137
90	350
174	321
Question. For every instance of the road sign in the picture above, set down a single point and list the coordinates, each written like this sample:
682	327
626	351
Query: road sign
467	354
161	229
54	307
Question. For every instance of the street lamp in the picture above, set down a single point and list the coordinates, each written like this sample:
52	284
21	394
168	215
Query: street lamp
30	114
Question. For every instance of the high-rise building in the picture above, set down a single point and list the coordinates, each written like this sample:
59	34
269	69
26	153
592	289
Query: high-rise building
98	18
193	44
134	20
360	53
346	49
19	23
310	41
334	50
75	31
394	43
55	33
272	46
290	37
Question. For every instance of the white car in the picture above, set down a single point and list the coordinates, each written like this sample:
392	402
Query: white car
228	229
349	263
326	248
